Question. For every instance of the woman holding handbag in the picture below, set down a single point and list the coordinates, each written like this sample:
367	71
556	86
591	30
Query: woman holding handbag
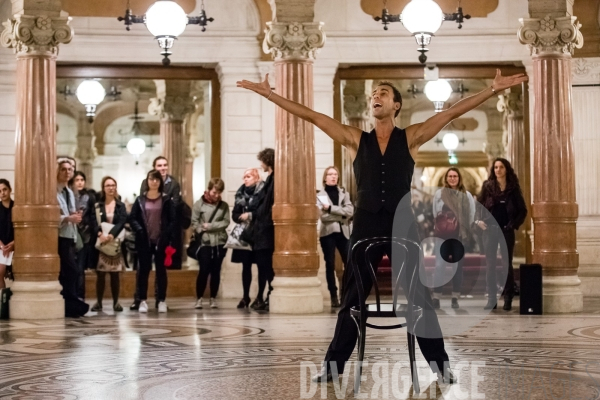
453	201
109	210
152	219
245	205
210	219
501	195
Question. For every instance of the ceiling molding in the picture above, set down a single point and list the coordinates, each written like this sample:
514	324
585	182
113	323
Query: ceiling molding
115	8
471	159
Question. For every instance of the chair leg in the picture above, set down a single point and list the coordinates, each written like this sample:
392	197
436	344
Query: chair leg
359	358
413	367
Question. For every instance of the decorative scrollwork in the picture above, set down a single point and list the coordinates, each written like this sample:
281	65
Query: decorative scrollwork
294	40
551	34
27	33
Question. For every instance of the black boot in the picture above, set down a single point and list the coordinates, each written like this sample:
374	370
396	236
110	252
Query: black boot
335	303
507	304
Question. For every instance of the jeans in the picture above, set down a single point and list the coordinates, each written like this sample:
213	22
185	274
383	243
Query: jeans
329	243
492	237
210	260
145	266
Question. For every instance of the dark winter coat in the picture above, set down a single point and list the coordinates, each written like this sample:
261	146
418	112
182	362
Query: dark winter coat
137	221
515	204
262	218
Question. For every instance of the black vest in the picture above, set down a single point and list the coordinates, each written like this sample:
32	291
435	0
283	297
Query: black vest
382	180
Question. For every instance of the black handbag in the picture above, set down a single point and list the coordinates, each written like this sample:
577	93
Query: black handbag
247	234
196	241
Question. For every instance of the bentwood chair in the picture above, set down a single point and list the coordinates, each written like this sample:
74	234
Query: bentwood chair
363	272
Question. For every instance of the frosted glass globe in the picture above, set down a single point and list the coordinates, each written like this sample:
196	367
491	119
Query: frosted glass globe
90	92
450	141
166	18
136	146
422	16
439	90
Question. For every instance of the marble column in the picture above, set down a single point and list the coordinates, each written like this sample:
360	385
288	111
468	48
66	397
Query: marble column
357	94
552	37
35	32
173	104
86	151
494	146
517	149
295	261
586	149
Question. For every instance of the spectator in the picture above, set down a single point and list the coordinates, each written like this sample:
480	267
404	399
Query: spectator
263	231
67	237
152	219
336	211
245	206
111	210
7	232
210	219
84	202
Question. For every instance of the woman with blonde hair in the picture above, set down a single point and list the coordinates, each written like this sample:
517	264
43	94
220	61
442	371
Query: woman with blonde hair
111	210
243	209
210	219
336	211
455	199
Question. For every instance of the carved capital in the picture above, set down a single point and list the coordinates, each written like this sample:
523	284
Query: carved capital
27	34
294	40
173	108
511	104
551	35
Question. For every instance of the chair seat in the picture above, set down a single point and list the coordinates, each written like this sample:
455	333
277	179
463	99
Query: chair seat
386	310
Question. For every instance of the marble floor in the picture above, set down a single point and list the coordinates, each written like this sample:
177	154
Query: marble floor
226	353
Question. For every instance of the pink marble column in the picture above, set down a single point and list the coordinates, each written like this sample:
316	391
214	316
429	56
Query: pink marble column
35	38
295	214
552	38
172	142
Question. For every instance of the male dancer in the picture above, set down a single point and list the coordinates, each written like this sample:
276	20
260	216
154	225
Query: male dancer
383	166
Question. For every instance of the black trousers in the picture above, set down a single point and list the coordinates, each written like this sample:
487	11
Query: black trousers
145	254
342	345
210	260
329	243
68	278
440	271
492	237
264	262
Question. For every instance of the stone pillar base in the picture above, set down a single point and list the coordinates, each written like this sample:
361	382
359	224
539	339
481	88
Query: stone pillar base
296	296
562	294
590	280
36	300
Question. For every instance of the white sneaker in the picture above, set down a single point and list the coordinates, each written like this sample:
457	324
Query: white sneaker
162	307
213	303
198	305
143	307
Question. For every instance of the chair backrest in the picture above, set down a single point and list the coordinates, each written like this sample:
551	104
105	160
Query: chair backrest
360	256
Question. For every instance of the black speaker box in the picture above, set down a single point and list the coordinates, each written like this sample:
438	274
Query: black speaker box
531	289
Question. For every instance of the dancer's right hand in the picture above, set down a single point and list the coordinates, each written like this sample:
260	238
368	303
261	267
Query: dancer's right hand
263	88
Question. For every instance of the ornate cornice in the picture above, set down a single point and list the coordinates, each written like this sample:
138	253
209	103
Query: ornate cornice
30	34
293	40
586	70
173	108
551	35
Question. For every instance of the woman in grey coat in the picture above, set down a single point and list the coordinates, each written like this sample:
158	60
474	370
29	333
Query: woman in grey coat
210	219
336	211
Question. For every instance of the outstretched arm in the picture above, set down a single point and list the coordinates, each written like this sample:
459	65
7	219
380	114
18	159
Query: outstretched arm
420	134
348	136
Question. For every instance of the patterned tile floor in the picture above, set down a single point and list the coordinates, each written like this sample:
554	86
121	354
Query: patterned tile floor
231	354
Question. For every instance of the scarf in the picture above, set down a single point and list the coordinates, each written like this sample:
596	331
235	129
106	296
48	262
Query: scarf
210	200
243	195
458	203
334	194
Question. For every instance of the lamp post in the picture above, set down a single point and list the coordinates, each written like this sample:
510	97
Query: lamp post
90	93
438	92
166	20
422	18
